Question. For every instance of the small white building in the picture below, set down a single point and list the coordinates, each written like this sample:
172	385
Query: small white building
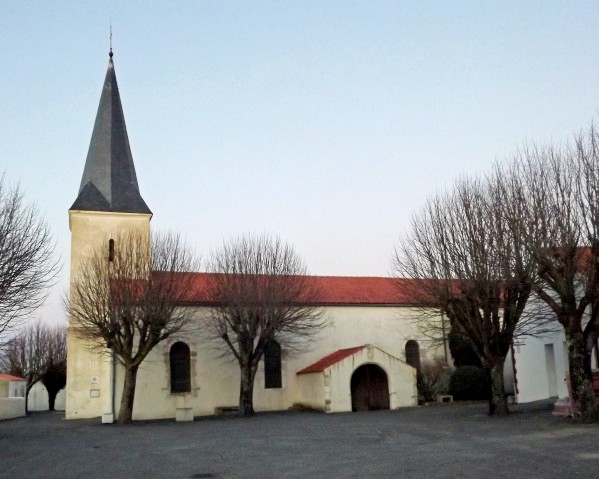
541	366
12	396
378	381
12	386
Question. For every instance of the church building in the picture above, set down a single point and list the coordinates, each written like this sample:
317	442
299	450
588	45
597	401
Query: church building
364	358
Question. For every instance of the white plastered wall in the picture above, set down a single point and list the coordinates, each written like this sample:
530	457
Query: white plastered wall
89	368
533	367
4	388
38	398
12	407
215	380
335	381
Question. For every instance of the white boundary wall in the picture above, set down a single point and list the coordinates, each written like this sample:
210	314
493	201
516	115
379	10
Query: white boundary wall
12	407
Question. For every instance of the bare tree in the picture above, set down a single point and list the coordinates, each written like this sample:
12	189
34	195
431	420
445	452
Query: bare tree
55	375
433	378
126	302
34	352
27	264
466	261
262	294
55	379
560	185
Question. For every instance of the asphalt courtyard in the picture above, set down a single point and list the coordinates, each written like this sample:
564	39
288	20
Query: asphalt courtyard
448	441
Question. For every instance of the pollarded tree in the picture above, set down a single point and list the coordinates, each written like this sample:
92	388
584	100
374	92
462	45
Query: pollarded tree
27	264
262	293
466	262
35	352
55	379
127	302
560	186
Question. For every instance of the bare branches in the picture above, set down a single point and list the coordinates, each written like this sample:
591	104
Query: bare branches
466	260
262	290
560	187
128	302
262	294
531	226
27	264
35	351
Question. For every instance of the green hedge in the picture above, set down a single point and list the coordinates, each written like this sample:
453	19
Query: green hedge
469	383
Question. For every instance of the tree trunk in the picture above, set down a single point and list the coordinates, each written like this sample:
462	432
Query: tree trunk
53	391
27	389
246	389
54	379
126	409
51	399
581	383
498	404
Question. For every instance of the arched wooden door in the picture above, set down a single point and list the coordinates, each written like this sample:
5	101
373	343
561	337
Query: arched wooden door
369	388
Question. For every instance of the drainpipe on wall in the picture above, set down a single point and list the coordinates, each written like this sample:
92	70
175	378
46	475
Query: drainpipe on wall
515	372
444	338
108	418
112	386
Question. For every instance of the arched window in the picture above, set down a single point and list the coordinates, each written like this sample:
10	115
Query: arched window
413	354
272	365
180	368
111	250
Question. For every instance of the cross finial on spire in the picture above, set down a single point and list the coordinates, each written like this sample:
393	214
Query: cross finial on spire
110	52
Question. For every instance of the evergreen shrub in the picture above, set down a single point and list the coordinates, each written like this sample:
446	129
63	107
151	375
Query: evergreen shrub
469	383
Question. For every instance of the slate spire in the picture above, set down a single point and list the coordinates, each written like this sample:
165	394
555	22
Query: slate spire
109	182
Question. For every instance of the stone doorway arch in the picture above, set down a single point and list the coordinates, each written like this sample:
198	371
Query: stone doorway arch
369	388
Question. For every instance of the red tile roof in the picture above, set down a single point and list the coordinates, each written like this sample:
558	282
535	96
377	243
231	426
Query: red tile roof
10	377
331	359
332	290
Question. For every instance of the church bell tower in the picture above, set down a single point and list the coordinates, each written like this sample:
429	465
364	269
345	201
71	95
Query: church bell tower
108	201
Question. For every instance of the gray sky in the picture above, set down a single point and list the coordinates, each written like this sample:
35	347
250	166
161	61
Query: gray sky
327	123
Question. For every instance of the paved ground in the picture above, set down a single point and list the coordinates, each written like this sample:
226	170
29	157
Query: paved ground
428	442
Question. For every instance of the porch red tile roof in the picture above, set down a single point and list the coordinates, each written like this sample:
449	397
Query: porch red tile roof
331	359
